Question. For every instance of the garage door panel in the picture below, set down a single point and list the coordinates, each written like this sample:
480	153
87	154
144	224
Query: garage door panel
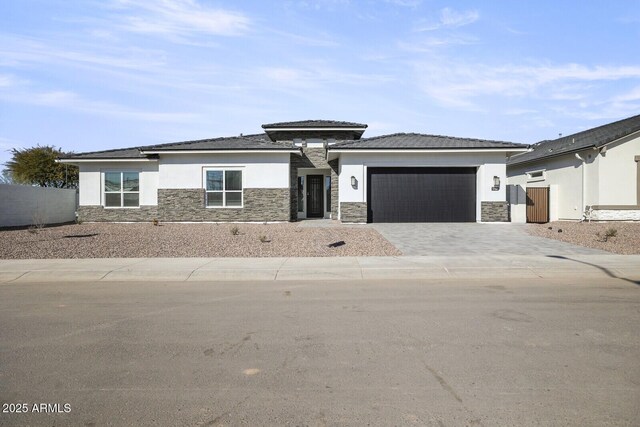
421	194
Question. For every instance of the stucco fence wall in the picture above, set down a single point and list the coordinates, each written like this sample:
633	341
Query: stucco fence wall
22	205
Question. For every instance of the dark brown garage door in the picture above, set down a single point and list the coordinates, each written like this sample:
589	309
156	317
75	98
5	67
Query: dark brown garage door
421	194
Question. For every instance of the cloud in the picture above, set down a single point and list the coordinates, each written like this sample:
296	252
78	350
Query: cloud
405	3
15	51
460	85
72	101
451	18
316	75
428	44
180	18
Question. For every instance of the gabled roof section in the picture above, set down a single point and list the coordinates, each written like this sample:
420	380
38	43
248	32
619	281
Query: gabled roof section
314	124
595	137
418	141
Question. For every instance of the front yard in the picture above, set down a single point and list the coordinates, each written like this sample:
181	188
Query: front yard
616	237
142	240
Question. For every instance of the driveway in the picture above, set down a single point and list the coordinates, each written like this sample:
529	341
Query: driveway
473	239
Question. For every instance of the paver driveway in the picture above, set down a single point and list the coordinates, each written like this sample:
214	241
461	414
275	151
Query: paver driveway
473	239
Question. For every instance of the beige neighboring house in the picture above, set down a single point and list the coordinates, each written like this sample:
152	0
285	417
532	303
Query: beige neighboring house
594	174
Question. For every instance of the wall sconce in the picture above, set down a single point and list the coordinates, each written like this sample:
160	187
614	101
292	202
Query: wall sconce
354	183
496	183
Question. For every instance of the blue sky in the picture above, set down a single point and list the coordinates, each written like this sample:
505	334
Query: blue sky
91	75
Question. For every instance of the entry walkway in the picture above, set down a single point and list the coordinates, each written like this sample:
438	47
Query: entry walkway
441	239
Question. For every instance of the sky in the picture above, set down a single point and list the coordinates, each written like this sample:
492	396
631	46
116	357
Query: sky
96	75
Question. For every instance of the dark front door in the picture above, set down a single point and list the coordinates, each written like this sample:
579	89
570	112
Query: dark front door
315	201
421	194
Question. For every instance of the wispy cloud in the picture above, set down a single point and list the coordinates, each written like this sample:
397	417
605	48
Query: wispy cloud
405	3
451	18
428	44
318	75
15	51
72	101
459	85
180	18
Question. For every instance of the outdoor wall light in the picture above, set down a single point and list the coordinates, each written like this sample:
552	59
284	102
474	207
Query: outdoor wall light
354	182
496	183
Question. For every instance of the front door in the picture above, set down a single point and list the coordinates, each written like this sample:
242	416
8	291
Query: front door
315	201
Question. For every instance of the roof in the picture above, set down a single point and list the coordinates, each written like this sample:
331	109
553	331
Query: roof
243	142
314	124
119	153
247	142
595	137
420	141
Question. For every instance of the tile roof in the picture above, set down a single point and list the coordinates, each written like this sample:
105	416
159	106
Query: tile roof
314	124
246	142
421	141
243	142
595	137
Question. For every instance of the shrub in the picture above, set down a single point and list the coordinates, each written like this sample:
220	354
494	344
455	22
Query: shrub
609	233
235	230
155	221
264	239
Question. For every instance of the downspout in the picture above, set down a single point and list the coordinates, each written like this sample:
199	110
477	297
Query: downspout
584	181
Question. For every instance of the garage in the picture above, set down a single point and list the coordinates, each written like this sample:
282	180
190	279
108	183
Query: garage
421	194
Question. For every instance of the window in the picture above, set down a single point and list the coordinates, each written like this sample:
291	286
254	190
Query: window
224	188
536	176
327	187
121	189
301	194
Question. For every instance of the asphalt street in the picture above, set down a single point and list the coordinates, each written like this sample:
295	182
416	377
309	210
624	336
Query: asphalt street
492	351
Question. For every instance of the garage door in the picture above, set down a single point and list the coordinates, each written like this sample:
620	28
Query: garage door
421	194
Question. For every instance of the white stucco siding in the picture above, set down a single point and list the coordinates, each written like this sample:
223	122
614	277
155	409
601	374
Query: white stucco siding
91	179
488	164
564	174
618	183
260	170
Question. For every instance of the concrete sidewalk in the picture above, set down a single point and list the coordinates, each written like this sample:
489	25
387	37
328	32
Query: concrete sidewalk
626	267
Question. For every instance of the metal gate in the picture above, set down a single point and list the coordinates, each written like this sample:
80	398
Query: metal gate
538	204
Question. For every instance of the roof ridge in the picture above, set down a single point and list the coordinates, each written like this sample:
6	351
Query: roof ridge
593	129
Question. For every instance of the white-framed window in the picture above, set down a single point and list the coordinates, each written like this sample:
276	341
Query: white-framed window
539	175
223	187
121	189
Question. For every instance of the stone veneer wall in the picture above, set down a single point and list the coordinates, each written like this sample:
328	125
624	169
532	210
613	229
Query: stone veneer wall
260	205
100	214
334	188
615	215
353	212
494	212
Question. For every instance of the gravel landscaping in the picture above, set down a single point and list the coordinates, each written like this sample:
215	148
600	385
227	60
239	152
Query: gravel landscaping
616	237
108	240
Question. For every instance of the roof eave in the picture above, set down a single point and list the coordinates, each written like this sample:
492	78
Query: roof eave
440	150
72	160
231	150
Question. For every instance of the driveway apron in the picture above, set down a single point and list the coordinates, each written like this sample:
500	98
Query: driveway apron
424	239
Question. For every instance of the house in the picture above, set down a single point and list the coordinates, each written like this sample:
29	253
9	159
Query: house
593	174
296	170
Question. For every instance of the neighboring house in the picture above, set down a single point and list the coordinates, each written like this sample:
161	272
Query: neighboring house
295	170
594	173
